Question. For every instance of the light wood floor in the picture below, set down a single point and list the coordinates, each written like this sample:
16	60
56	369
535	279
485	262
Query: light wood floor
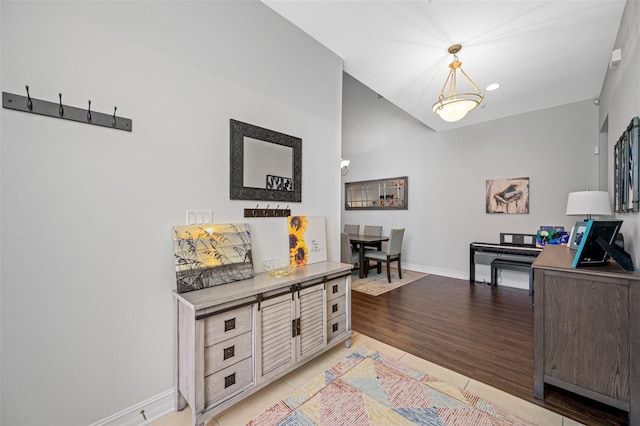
482	333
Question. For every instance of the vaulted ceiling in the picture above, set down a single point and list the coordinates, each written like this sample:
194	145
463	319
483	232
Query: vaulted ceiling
542	53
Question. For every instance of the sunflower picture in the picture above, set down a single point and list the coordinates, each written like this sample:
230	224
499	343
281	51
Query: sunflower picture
298	250
307	240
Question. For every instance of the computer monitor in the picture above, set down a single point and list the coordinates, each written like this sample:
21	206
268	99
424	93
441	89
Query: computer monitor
597	245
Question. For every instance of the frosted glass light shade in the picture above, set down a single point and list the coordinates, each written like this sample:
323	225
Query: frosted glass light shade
588	203
455	109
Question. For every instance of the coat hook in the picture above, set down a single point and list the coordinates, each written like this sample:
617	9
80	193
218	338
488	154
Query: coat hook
255	212
60	108
89	111
29	102
113	120
264	212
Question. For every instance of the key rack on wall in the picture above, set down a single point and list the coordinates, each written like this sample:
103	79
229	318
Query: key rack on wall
65	112
267	212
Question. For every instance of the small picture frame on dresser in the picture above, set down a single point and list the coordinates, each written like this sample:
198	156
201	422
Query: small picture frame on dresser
577	232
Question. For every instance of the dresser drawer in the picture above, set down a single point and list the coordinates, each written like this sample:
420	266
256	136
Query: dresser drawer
336	327
226	353
336	288
227	324
335	308
228	381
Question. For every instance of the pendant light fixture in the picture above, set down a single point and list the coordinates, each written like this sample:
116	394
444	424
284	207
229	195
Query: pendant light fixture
452	106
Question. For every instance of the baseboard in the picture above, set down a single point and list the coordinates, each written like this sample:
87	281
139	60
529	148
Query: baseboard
508	278
435	271
153	408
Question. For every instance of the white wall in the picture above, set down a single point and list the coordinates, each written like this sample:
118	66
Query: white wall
87	256
447	172
619	103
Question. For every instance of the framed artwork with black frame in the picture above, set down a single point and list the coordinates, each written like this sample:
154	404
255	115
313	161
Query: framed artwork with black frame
626	188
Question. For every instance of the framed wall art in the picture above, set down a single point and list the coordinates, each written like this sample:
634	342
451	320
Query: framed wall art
626	196
507	196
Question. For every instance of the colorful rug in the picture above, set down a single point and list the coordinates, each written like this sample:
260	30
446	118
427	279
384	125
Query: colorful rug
376	284
377	390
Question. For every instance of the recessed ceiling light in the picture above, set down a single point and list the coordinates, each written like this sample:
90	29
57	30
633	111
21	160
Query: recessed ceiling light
493	86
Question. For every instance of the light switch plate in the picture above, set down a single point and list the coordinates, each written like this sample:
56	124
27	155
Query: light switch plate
197	217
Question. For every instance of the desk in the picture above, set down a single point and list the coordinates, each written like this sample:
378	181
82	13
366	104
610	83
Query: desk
366	240
509	251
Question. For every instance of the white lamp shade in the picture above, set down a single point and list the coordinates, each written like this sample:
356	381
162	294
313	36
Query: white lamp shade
589	203
455	109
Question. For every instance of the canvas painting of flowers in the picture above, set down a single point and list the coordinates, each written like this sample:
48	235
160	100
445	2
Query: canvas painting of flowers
208	255
307	240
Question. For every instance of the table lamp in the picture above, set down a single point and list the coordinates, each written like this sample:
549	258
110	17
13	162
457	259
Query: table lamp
588	203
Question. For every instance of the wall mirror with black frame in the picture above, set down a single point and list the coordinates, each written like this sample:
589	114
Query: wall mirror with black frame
265	165
377	194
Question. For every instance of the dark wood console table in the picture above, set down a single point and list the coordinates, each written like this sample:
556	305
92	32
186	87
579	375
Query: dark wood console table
587	330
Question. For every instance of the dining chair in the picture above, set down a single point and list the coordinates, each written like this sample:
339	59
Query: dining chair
352	229
373	231
347	254
392	254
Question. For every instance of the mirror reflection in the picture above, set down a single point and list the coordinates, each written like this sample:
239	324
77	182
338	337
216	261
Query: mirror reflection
378	194
267	165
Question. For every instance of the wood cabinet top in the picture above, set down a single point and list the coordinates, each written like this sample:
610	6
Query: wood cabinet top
260	283
559	258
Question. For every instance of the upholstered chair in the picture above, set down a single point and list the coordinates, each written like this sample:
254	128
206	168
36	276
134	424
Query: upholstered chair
392	254
347	254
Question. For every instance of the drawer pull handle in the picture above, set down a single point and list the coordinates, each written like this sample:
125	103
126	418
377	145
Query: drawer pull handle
229	324
334	308
334	288
334	328
230	380
228	352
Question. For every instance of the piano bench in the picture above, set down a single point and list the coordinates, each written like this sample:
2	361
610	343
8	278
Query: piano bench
512	265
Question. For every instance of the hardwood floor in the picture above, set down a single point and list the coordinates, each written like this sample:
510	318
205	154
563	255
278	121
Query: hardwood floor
482	333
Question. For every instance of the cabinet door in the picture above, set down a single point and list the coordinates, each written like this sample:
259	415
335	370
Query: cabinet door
586	333
313	317
274	339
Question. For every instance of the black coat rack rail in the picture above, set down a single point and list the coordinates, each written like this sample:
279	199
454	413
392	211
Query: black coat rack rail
65	112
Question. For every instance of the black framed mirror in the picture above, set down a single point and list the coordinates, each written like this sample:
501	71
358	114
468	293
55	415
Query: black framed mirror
265	165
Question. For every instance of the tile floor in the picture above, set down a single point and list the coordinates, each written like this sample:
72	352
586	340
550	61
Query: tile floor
241	413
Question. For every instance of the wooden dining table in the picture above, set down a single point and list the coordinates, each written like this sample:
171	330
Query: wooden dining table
363	241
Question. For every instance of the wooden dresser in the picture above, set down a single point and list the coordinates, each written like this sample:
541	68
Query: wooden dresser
234	339
587	330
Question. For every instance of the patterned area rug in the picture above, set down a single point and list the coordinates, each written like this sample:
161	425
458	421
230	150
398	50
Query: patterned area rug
377	390
376	284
